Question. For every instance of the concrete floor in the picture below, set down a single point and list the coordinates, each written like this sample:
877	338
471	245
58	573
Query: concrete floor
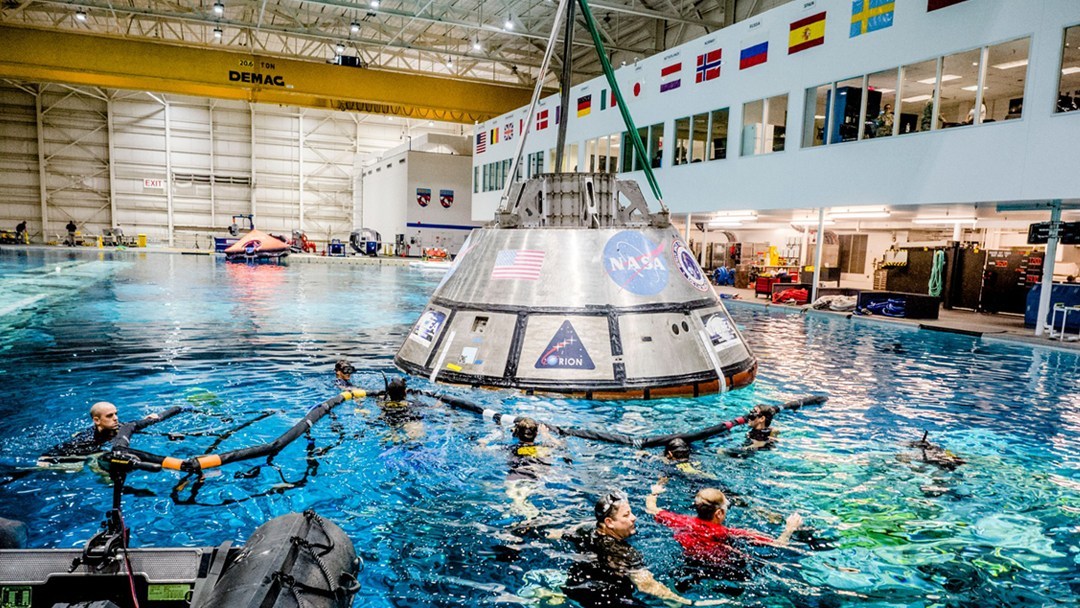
989	326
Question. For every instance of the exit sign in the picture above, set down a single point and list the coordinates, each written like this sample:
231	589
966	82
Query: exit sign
153	184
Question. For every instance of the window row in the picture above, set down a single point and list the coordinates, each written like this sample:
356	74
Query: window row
939	93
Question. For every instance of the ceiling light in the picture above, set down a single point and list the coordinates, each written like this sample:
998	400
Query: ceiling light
1012	64
725	224
916	98
217	33
509	25
944	78
812	222
374	4
1070	70
80	15
477	46
883	91
943	220
340	48
747	214
843	214
973	88
354	27
219	8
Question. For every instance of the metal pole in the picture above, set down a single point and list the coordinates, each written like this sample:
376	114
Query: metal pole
805	245
168	169
251	110
300	167
1048	266
564	80
210	125
112	161
817	253
686	236
43	175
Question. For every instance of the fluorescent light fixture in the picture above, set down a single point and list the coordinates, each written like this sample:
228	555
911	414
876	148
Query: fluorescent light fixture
883	91
916	98
812	222
219	8
974	87
735	223
1070	70
844	214
80	15
1012	64
746	214
354	27
943	220
217	33
944	78
819	117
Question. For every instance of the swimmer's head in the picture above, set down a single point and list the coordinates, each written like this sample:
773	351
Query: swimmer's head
677	449
395	389
104	416
344	369
761	411
710	503
525	430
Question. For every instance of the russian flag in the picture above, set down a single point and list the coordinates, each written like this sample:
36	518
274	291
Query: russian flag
755	54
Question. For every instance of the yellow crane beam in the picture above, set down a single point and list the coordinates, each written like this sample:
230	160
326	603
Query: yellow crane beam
49	56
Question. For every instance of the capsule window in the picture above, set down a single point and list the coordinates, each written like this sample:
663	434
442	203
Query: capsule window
685	327
478	325
675	328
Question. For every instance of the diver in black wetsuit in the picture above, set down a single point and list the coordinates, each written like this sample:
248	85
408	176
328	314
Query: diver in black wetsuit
343	371
399	412
761	435
92	440
528	464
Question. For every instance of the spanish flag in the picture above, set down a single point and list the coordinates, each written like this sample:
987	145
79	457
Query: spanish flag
807	33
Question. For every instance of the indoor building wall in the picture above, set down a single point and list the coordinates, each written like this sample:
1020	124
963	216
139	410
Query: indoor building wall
176	168
1026	157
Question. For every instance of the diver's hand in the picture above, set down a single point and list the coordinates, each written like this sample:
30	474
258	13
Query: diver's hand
793	521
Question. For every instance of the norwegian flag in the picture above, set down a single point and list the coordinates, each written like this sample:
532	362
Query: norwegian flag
481	142
708	66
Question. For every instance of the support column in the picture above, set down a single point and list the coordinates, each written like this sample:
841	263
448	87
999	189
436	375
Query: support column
112	161
300	167
1048	266
43	176
168	170
686	236
210	123
817	253
251	110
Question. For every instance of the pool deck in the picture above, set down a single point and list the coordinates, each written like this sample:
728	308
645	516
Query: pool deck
1004	327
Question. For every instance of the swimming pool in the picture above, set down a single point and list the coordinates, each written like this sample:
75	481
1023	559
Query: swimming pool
431	517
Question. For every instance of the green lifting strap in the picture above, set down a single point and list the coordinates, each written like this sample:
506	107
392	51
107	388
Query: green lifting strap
639	147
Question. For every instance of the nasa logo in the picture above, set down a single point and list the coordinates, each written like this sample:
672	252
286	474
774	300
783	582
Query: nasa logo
688	266
565	351
635	263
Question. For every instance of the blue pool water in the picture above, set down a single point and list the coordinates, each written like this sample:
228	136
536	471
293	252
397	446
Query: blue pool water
431	517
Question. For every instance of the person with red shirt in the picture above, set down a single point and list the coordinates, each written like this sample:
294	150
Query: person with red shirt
704	538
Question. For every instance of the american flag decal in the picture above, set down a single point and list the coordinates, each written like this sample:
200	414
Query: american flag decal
524	264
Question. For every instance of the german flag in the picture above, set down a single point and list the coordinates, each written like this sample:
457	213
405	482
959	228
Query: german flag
584	105
807	33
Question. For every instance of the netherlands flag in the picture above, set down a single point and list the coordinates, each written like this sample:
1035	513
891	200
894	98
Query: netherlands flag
755	54
708	66
669	77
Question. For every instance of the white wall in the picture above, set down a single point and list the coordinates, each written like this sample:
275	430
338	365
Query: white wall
446	227
384	187
1032	158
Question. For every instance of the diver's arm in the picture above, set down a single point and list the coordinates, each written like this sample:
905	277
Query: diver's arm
646	583
650	501
793	522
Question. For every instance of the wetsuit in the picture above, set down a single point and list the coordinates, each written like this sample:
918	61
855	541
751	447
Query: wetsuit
606	580
762	435
528	461
397	413
76	449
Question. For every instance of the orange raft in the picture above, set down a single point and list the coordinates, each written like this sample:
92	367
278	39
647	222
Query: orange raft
256	246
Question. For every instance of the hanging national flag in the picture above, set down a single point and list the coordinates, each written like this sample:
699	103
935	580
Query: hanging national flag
708	66
481	142
541	120
670	77
806	33
753	54
584	105
933	5
607	100
508	131
495	136
522	264
870	16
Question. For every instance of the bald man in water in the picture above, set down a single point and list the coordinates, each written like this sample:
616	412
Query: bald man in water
88	442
